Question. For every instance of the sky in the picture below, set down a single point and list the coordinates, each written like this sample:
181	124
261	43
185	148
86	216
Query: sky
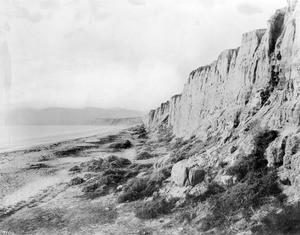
133	54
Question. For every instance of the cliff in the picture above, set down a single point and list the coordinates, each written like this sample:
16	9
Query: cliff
248	90
258	80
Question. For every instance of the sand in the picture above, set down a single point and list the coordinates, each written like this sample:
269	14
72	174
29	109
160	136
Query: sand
36	196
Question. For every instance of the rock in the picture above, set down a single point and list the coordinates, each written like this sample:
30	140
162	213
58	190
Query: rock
119	188
196	175
76	181
233	149
179	173
226	180
198	190
142	175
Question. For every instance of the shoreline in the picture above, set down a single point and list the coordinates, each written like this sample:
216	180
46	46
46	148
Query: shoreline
36	180
62	139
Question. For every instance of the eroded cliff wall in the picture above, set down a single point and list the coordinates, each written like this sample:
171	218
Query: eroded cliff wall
258	80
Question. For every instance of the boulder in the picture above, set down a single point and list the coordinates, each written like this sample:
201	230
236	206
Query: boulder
179	173
198	190
226	180
196	175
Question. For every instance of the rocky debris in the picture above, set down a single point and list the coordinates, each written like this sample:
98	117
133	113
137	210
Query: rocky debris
76	181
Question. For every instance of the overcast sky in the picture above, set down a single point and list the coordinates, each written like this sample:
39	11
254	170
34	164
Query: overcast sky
116	53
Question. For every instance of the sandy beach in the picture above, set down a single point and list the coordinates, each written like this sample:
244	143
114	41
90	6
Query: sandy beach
40	192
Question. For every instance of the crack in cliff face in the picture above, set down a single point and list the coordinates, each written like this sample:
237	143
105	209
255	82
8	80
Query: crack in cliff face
255	71
277	25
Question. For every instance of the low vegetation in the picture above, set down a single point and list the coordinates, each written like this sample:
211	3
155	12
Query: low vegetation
286	221
144	156
138	188
73	151
140	131
153	209
256	183
126	144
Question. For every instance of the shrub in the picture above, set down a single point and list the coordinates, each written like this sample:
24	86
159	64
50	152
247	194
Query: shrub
76	181
121	145
144	156
38	166
75	169
118	162
138	189
123	174
72	151
255	182
254	162
285	222
161	174
152	209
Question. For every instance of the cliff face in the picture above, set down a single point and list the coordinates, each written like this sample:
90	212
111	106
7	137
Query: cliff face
259	80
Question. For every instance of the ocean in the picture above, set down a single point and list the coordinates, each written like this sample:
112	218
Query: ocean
18	137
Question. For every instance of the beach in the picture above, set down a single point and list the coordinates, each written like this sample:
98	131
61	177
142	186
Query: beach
50	188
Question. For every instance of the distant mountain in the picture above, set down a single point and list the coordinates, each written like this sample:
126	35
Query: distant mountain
67	116
116	121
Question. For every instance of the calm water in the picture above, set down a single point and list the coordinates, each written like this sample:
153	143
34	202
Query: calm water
14	137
